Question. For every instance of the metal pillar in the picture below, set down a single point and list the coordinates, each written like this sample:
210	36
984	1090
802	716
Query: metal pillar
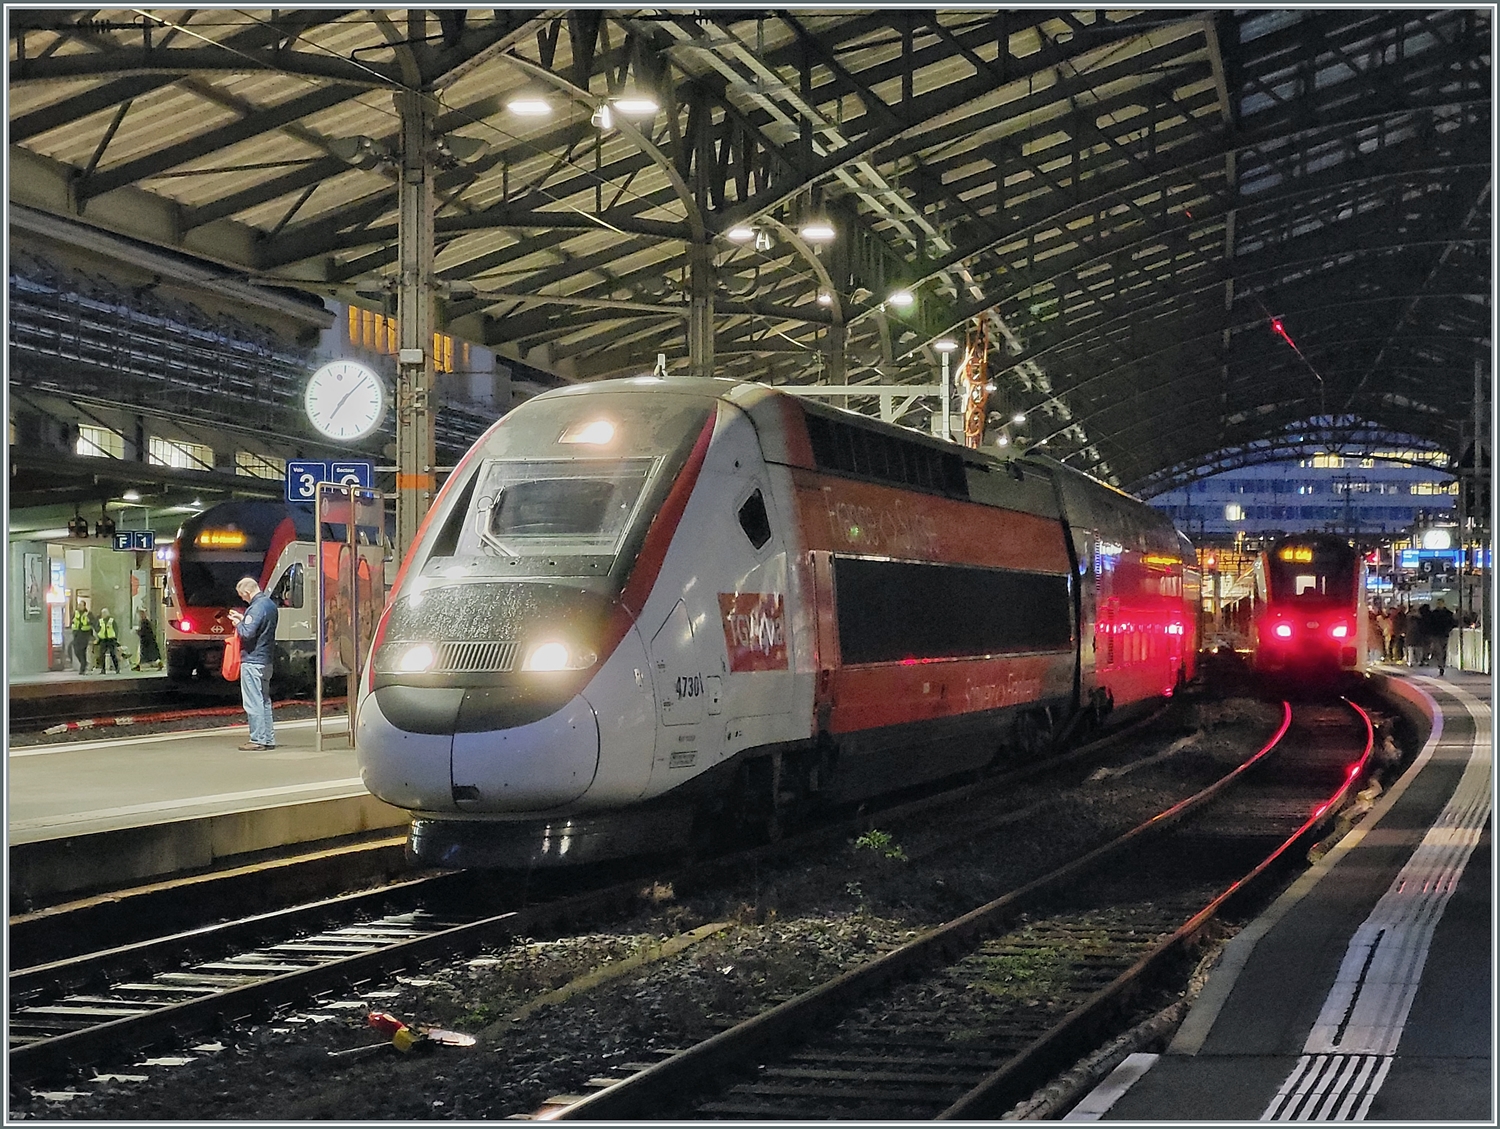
1482	514
701	310
415	455
837	341
947	395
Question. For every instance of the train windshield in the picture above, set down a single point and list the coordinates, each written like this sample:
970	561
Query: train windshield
554	506
566	485
210	583
1311	575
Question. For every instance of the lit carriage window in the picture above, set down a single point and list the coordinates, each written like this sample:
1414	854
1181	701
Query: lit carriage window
290	592
755	521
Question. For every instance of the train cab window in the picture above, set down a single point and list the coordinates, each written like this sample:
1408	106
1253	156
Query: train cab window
1305	583
289	592
582	506
755	521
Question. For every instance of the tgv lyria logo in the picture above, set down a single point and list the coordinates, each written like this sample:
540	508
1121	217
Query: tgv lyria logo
754	630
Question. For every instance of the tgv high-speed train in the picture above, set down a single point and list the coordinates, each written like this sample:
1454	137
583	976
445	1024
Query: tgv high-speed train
641	611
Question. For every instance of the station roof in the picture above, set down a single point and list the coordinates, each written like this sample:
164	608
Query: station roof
1197	237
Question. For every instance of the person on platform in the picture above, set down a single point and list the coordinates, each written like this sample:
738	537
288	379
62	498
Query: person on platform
1385	627
83	633
1399	626
256	627
109	641
150	650
1419	633
1440	625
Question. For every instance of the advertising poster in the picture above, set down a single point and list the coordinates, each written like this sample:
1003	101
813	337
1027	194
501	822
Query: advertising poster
36	583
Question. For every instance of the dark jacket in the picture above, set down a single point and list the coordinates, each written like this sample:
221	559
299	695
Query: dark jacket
1441	622
150	649
257	631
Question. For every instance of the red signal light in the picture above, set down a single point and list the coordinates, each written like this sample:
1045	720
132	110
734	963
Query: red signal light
185	624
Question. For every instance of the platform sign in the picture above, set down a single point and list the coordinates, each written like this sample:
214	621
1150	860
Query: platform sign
302	478
351	474
135	541
1444	559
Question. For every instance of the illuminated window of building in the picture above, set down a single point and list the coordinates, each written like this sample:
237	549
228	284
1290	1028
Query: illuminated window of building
100	442
1234	512
259	466
1434	487
180	454
1328	461
380	334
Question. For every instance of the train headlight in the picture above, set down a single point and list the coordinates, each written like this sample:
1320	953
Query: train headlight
1340	630
1283	631
553	655
416	658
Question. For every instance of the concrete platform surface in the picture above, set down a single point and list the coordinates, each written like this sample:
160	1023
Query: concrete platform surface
1365	992
91	815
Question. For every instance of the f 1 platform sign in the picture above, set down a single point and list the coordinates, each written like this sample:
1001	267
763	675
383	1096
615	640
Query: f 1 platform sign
136	540
303	476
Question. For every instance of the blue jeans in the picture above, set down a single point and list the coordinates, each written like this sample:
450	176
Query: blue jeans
255	692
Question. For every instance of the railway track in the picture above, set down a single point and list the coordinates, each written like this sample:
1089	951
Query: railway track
100	1005
970	1018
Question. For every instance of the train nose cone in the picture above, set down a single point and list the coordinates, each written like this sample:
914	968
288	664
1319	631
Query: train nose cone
410	755
404	746
530	767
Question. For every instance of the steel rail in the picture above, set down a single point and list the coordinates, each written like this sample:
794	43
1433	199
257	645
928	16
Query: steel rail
55	1055
657	1087
1017	1077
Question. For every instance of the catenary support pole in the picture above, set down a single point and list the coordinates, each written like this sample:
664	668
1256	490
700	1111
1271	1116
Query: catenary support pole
415	456
701	310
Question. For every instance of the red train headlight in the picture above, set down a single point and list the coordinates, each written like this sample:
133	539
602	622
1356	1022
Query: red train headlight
1340	630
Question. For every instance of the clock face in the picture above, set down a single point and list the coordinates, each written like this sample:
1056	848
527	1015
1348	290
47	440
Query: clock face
345	400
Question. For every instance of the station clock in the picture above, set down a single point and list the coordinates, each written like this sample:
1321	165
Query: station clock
345	400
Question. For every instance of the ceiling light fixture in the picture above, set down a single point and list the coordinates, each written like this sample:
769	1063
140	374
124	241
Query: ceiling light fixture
1019	417
635	105
945	345
529	106
901	299
362	152
762	240
131	496
603	118
740	233
817	231
825	298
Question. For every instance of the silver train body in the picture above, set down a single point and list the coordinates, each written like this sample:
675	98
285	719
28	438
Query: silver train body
643	611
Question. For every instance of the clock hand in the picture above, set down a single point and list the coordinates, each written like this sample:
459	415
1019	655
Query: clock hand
345	400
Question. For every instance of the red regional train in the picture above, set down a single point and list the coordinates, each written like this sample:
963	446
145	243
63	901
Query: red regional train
645	610
1313	624
275	543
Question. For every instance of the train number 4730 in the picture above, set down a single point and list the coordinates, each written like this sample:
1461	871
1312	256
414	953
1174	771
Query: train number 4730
690	686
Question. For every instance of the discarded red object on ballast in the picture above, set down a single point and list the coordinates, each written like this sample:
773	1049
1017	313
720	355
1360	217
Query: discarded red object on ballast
385	1021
